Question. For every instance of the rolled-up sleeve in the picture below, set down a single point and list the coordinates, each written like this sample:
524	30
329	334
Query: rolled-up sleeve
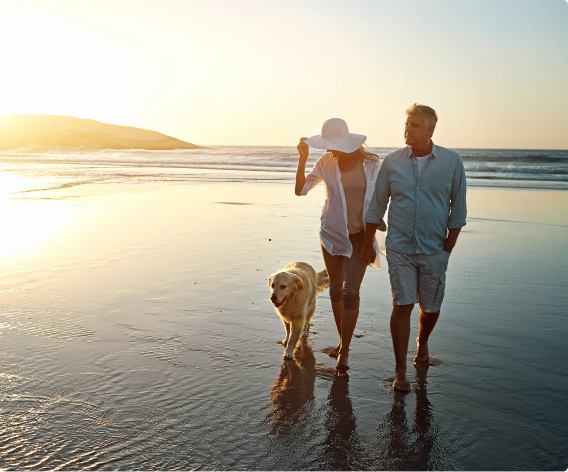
458	207
380	199
314	177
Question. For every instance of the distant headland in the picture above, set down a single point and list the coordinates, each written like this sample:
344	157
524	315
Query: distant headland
29	131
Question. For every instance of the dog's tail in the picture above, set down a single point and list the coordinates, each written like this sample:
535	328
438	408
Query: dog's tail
323	280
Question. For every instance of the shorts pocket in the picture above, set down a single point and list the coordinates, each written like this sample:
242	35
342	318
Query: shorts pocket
395	283
440	293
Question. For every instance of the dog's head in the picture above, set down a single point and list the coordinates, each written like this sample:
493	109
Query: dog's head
284	286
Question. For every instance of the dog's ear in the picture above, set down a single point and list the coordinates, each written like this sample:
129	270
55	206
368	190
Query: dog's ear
297	280
270	279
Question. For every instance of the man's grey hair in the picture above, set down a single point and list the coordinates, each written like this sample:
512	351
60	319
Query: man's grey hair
429	115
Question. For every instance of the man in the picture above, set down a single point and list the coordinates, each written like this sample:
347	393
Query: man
426	187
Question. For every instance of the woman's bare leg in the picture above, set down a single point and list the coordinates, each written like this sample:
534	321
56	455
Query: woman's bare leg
348	323
337	308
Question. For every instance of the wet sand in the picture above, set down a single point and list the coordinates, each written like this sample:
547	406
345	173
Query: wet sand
137	333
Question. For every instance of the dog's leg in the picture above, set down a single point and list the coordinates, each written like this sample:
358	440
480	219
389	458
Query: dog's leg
296	334
285	341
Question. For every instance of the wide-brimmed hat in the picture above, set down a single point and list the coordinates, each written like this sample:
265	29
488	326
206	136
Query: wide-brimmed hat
335	135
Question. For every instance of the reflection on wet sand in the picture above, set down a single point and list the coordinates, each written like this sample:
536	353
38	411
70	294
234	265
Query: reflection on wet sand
293	393
343	447
399	444
402	446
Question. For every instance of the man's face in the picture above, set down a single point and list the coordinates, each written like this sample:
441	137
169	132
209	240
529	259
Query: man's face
416	133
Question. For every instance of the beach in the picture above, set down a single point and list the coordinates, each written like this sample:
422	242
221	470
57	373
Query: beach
137	333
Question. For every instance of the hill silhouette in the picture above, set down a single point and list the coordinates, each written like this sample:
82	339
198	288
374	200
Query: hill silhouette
29	131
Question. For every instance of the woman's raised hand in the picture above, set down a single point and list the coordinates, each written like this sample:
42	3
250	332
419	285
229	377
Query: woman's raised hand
303	149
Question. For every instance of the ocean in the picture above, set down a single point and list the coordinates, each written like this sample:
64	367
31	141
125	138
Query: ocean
40	169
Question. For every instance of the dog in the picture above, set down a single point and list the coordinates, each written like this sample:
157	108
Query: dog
294	295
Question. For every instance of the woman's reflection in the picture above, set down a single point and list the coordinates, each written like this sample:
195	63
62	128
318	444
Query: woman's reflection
343	448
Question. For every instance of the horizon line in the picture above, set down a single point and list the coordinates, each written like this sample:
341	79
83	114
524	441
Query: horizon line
393	147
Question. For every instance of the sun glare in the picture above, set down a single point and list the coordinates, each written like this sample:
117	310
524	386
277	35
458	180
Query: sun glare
30	221
57	68
28	225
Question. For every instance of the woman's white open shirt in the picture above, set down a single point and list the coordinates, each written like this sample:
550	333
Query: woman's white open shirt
333	231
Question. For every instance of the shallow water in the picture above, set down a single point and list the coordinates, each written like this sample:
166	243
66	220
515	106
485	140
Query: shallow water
63	167
142	337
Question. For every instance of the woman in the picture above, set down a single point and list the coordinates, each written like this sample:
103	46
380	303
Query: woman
349	173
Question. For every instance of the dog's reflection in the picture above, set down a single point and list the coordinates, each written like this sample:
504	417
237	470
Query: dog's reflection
410	447
293	393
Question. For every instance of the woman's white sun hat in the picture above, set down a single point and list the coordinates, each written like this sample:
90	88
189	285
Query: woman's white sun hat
335	135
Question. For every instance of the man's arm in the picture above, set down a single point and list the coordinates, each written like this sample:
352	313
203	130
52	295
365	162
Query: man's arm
376	213
451	239
458	207
380	198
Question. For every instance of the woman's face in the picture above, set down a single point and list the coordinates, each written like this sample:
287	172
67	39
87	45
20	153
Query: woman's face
343	155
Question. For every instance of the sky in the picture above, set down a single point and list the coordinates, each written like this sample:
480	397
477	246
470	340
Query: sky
257	72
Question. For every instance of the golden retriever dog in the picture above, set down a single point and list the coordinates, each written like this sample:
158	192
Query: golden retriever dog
294	295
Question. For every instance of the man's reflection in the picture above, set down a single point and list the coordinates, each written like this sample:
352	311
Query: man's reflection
405	447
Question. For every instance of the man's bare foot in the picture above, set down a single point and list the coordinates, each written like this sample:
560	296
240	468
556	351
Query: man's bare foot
334	352
422	357
400	383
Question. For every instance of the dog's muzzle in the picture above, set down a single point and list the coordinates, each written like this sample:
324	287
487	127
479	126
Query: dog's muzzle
274	300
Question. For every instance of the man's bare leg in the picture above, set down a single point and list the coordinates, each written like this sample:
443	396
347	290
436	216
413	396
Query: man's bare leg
337	308
427	321
400	332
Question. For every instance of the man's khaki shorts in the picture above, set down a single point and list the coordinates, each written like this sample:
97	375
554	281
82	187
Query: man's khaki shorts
418	278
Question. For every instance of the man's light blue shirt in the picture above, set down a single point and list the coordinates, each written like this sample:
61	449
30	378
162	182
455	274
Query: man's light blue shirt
422	207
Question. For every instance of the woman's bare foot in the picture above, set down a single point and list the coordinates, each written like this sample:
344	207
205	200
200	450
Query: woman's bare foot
400	383
342	365
422	357
334	352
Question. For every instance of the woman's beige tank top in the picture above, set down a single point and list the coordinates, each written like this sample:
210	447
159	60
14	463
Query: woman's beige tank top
354	186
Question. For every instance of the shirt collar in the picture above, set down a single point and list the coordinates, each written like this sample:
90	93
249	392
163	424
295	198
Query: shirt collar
409	152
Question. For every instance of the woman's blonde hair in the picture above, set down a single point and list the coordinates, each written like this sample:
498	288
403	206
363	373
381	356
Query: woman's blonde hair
367	154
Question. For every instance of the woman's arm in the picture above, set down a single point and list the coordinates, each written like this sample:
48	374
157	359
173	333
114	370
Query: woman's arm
304	151
368	253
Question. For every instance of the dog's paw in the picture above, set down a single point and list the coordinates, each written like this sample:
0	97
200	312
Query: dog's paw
288	354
